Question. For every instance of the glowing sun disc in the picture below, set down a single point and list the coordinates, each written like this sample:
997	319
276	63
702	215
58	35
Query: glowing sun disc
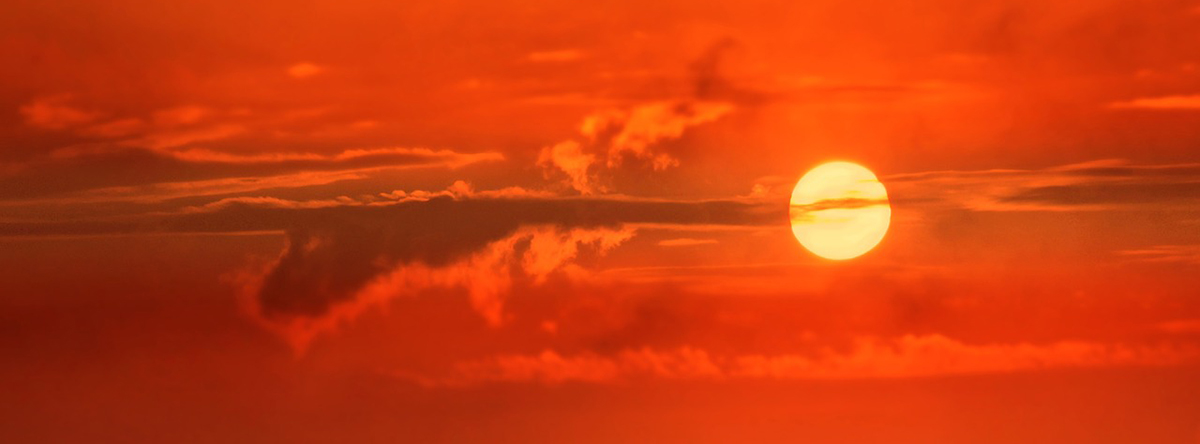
839	210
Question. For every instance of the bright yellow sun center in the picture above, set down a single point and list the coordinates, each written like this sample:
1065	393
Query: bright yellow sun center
840	210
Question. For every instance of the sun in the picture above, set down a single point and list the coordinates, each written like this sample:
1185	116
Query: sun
840	210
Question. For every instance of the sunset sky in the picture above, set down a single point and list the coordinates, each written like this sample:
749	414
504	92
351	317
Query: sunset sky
549	221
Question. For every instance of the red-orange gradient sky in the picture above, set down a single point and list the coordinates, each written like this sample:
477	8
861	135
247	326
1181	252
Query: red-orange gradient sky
549	221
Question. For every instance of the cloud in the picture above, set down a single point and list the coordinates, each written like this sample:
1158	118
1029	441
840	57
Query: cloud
304	70
564	55
270	202
343	256
159	192
489	213
318	283
569	158
165	128
1090	186
550	367
685	242
53	112
631	134
181	115
1180	326
909	356
461	189
848	203
106	172
621	135
1189	254
172	138
115	128
707	69
635	131
1180	102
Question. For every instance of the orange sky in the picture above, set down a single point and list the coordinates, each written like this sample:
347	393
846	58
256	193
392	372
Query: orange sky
536	221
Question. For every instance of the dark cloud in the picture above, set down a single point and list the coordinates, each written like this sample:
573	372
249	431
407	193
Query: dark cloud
333	252
849	203
707	68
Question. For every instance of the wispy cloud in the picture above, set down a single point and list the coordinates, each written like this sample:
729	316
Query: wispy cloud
139	174
181	115
1089	186
115	128
685	242
1180	326
304	70
1179	102
55	112
562	55
1165	253
904	357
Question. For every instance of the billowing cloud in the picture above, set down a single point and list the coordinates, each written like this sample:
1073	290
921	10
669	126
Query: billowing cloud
568	157
320	282
634	132
904	357
622	135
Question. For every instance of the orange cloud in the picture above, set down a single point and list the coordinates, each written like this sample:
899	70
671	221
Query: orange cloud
115	128
638	129
152	175
1180	102
179	137
685	242
550	367
1165	253
564	55
304	70
158	192
1180	326
908	356
620	135
181	115
1088	186
463	190
569	158
53	112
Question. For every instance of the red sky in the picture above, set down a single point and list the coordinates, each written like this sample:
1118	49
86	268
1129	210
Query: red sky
464	221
